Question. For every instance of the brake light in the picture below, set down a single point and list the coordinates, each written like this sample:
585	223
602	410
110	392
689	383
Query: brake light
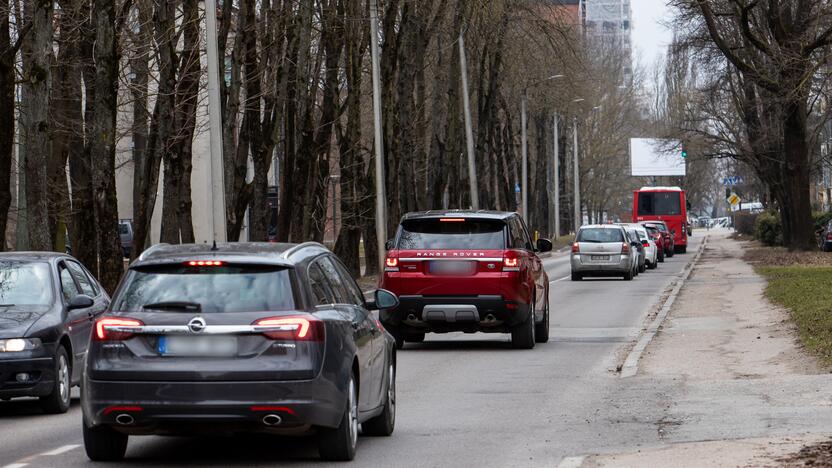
511	264
625	248
451	220
204	263
122	409
576	247
293	328
115	329
391	264
645	243
829	236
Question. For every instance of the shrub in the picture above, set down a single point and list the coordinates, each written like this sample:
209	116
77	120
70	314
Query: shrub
768	229
745	223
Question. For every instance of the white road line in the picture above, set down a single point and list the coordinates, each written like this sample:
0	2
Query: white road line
60	450
559	280
16	465
571	462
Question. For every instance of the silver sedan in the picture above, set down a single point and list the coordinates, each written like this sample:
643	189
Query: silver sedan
603	250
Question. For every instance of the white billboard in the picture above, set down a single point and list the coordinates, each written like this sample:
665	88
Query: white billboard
655	157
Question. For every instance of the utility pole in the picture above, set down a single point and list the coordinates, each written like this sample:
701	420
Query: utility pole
469	132
217	167
381	219
556	201
577	176
524	177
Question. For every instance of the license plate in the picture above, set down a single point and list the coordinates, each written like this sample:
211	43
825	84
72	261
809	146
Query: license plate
197	346
600	258
452	268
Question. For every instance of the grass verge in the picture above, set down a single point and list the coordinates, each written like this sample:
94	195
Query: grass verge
806	291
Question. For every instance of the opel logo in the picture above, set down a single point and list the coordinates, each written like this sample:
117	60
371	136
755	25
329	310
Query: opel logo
196	325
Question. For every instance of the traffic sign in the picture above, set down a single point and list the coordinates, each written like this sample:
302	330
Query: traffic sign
731	181
734	199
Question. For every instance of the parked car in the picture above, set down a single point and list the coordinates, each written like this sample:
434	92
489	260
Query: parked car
825	238
48	303
648	245
656	236
468	271
667	236
633	237
603	250
243	337
125	233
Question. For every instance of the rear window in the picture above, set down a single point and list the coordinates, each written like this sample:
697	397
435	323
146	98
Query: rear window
452	233
23	283
659	203
600	235
217	289
660	227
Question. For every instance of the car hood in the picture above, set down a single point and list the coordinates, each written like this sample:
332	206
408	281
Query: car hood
16	321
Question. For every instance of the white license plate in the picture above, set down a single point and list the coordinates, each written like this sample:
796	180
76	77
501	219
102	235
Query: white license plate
197	346
600	258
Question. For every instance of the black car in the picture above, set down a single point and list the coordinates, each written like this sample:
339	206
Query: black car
239	338
825	238
48	303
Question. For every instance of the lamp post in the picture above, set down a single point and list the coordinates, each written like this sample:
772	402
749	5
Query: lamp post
217	167
381	221
577	173
524	143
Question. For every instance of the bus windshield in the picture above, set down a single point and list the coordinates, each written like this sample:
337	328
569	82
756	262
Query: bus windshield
659	203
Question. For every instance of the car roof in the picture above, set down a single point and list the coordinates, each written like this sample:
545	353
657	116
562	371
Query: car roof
661	189
262	253
479	214
32	256
601	226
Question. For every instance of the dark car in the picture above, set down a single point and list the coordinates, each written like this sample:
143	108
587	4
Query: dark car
467	271
825	238
667	236
48	303
244	337
125	234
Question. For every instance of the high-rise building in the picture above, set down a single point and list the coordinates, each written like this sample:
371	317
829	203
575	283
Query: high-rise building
608	23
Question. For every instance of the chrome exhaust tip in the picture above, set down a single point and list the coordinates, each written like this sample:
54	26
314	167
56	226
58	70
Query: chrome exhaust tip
125	419
490	318
272	420
411	318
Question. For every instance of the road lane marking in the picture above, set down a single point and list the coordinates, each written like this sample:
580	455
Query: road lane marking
559	280
60	450
16	465
571	462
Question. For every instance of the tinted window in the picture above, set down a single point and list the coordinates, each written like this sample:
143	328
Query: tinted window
600	235
349	283
339	289
68	287
660	226
81	277
659	203
25	283
228	288
459	235
321	294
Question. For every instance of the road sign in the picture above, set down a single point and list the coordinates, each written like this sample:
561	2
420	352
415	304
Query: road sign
731	181
734	199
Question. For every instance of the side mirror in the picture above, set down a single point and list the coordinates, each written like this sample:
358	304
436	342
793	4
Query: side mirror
544	245
383	299
635	244
389	244
81	301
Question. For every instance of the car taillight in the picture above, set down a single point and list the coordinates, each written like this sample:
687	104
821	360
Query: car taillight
829	236
645	243
391	264
292	328
204	263
511	264
625	248
576	248
115	329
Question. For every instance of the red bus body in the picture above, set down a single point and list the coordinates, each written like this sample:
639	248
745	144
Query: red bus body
667	204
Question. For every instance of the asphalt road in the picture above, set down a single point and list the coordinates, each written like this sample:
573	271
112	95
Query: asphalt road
464	400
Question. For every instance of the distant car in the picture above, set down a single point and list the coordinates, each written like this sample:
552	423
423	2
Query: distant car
633	236
667	236
604	250
469	271
825	238
48	303
650	250
244	337
656	236
125	233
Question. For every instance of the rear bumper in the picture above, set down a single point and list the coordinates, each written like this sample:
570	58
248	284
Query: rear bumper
440	314
623	265
42	377
212	407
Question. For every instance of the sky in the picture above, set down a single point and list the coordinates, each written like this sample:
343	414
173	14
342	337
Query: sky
650	36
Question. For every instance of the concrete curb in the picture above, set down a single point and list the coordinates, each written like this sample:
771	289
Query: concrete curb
630	367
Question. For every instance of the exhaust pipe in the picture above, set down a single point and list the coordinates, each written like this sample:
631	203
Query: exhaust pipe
411	318
490	318
125	419
272	420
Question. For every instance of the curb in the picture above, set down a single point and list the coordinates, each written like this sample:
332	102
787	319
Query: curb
630	367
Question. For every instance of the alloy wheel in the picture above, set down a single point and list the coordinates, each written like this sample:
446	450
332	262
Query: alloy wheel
353	416
63	378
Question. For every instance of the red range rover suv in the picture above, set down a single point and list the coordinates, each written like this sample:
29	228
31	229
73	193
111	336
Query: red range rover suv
466	271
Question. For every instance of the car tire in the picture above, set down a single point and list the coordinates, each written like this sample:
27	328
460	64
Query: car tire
661	256
628	276
671	252
653	265
541	332
339	444
522	336
683	249
57	402
642	267
414	338
383	424
103	443
577	276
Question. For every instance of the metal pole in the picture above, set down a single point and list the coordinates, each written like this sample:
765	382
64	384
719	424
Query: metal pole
557	178
469	132
381	219
577	176
217	166
524	178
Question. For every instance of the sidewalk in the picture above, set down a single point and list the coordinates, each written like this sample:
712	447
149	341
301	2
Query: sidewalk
743	393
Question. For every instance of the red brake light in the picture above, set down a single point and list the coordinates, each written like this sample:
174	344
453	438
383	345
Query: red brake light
204	263
122	409
625	248
115	329
391	264
451	220
645	243
511	264
576	247
291	328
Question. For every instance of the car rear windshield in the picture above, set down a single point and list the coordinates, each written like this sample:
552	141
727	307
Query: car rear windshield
215	289
659	226
659	203
600	235
452	233
25	283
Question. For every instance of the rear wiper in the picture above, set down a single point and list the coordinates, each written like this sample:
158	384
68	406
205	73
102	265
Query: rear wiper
7	305
590	241
184	306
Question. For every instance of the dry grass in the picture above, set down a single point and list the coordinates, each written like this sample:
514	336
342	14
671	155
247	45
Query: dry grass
757	254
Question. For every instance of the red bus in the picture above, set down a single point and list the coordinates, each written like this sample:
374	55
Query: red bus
666	204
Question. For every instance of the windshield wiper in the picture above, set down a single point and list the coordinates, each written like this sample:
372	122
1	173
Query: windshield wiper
183	306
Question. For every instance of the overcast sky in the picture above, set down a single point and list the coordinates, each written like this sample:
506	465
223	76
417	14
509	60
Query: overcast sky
650	36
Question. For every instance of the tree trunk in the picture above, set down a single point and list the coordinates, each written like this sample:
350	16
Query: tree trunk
142	153
7	121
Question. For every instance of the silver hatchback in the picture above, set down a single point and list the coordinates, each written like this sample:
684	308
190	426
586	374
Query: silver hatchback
603	250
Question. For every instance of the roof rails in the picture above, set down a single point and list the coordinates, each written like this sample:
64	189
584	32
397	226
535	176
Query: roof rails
289	252
152	249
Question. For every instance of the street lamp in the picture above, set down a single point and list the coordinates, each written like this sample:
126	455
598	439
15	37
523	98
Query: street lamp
576	171
525	145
